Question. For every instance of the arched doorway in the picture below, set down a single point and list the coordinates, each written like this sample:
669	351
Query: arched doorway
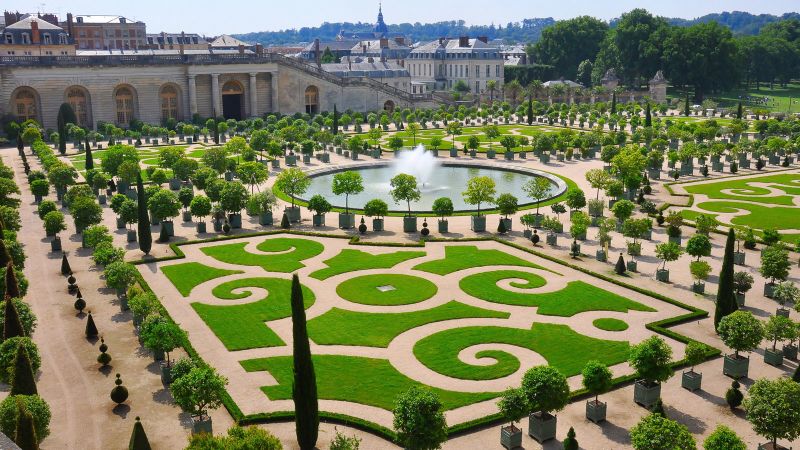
169	102
25	105
232	100
78	99
312	100
388	106
125	100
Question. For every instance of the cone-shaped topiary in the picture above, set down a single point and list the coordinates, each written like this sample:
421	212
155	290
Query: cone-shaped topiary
726	297
5	257
304	394
163	235
103	358
120	393
138	437
570	443
12	286
12	326
145	239
89	158
620	268
66	270
285	222
66	115
23	381
501	227
25	432
91	328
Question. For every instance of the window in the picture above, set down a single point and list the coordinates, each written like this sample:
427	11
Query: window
497	71
312	100
477	87
26	38
47	40
169	103
488	71
466	70
25	105
124	100
62	38
76	97
477	71
9	38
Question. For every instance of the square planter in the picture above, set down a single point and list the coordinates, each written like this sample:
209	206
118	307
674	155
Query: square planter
293	214
790	352
201	426
473	153
698	287
490	154
632	266
662	275
410	224
318	220
511	437
544	158
265	218
166	374
645	395
675	240
377	224
509	156
596	411
600	255
740	299
169	226
551	239
453	152
158	355
769	290
101	199
542	426
120	223
131	235
443	226
376	153
736	367
186	216
123	303
478	224
507	223
527	234
276	163
326	157
347	221
354	156
773	357
738	258
290	160
229	176
654	174
691	380
306	158
174	184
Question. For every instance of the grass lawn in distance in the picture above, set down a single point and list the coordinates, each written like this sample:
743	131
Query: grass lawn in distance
778	97
562	347
575	298
368	381
342	327
386	289
187	276
610	324
241	327
353	260
743	190
285	258
460	257
760	217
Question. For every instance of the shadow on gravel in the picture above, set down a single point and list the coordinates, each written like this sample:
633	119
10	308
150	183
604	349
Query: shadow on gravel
122	410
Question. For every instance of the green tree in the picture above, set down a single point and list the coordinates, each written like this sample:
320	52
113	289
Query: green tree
668	252
656	432
698	246
537	188
639	38
145	238
293	182
163	205
115	156
36	406
726	297
479	190
651	359
348	183
740	331
442	207
546	389
198	391
66	116
775	263
233	197
569	42
304	391
23	381
723	438
419	420
597	378
216	158
513	405
773	408
238	438
404	188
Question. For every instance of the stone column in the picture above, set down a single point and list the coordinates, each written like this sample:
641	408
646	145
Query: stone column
253	95
273	94
193	94
216	95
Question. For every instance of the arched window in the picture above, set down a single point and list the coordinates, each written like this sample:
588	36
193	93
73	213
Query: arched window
25	105
388	106
312	100
169	102
124	100
232	88
76	97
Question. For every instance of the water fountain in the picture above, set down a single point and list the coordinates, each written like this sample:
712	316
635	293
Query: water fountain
418	162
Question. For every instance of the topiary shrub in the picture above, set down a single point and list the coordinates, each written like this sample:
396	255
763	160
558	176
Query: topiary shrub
45	207
35	405
570	443
103	358
26	317
8	352
285	222
733	396
120	393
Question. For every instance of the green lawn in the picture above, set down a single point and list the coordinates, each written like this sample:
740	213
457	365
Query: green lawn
743	190
562	347
368	381
405	289
286	257
609	324
760	217
575	298
341	327
353	260
241	327
778	97
460	257
187	276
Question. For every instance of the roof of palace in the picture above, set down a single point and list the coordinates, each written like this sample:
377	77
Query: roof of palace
227	41
25	24
367	69
105	19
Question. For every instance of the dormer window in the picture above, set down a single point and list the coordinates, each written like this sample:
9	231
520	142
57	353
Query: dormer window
46	39
62	38
9	38
26	38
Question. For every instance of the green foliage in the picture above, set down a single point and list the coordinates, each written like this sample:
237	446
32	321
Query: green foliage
53	223
546	389
773	408
404	188
144	304
651	359
238	438
115	156
656	432
733	396
698	246
575	199
23	381
8	354
163	205
513	405
597	378
507	204
187	276
623	210
198	391
35	405
460	257
775	263
779	328
741	331
319	204
376	208
120	275
27	319
418	420
138	439
407	290
200	206
233	197
293	182
443	207
342	442
726	297
570	443
695	353
723	438
105	253
348	183
668	252
95	235
304	388
45	207
85	212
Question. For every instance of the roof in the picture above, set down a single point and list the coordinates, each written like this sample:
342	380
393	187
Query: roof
659	78
158	52
25	24
375	45
227	41
611	75
105	19
452	45
569	83
337	45
367	69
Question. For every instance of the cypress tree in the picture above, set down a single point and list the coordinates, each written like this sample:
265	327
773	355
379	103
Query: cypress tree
145	238
530	111
12	325
66	115
620	268
20	144
739	111
304	392
613	103
91	328
726	298
86	144
648	118
66	269
12	287
686	106
89	159
25	432
138	437
335	120
23	381
5	257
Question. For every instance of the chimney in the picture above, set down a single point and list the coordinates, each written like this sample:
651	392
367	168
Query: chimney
317	55
384	43
463	41
241	49
441	41
34	32
69	25
259	49
483	39
400	40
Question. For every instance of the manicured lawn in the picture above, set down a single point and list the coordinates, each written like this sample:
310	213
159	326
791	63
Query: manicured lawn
609	324
187	276
386	289
761	217
575	298
353	260
691	215
241	327
562	347
341	327
285	258
460	257
778	97
745	190
368	381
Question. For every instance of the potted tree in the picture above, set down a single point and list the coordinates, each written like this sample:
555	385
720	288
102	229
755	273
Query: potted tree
774	266
742	332
404	189
537	188
785	292
198	391
39	188
547	391
575	200
513	406
507	205
185	196
163	337
443	207
163	206
700	271
293	182
622	210
261	205
232	199
605	227
479	190
674	222
419	420
666	252
772	407
597	380
698	246
347	183
580	225
742	282
53	223
695	354
651	359
635	229
739	255
377	209
120	276
200	207
129	213
319	205
777	328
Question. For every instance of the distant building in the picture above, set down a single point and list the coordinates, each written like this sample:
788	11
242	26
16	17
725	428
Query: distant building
338	48
381	49
390	73
380	30
610	81
93	32
658	88
514	55
175	41
34	36
440	64
562	82
226	42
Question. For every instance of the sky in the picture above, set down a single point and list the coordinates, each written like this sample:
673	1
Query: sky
242	16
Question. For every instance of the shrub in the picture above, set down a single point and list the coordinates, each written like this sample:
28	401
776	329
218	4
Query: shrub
698	246
105	253
96	234
656	432
144	304
199	390
45	207
775	263
419	420
22	282
773	408
8	351
342	442
40	188
53	223
319	205
734	396
185	196
376	208
251	437
35	405
513	405
85	212
723	438
597	378
200	206
181	367
116	202
26	316
120	275
163	205
443	207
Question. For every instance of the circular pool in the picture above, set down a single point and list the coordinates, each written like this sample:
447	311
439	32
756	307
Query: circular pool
442	180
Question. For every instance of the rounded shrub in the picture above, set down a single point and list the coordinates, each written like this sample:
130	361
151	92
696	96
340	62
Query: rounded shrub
120	393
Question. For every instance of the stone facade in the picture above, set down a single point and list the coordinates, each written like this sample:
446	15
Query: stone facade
440	64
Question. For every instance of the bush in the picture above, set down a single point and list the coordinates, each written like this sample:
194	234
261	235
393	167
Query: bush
45	207
342	442
376	208
85	212
163	205
655	432
144	304
105	253
22	282
773	408
723	438
251	437
546	389
8	351
26	316
260	203
419	420
734	396
40	188
120	275
181	367
35	405
53	223
96	234
319	205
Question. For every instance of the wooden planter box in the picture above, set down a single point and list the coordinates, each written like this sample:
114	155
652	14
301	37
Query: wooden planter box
377	224
691	380
131	235
769	290
698	287
644	395
276	163
201	227
346	221
293	214
735	367
174	184
738	258
120	223
318	220
740	299
632	266
478	224
169	226
290	160
596	411
600	255
782	312
507	222
235	221
410	224
662	275
166	374
551	239
443	228
204	426
509	156
265	218
773	357
510	438
542	427
790	352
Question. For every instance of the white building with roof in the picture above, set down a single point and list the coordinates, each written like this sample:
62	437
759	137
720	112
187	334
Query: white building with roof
439	64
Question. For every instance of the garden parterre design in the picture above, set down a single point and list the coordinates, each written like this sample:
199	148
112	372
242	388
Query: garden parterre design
465	319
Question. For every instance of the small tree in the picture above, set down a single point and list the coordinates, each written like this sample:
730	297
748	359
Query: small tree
773	408
198	391
404	189
623	210
233	197
575	199
53	223
85	212
597	379
651	359
546	390
145	238
319	205
698	246
376	208
705	224
695	353
656	432
723	438
479	190
779	328
775	263
200	207
740	331
507	204
419	420
598	179
164	336
443	207
120	275
537	188
513	406
786	292
668	252
293	182
699	270
348	183
163	205
743	282
734	396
